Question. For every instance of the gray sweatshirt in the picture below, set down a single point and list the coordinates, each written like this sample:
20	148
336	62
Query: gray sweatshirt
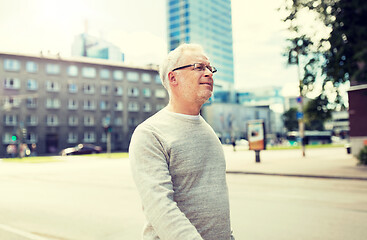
179	168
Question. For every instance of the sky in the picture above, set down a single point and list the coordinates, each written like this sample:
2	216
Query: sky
139	29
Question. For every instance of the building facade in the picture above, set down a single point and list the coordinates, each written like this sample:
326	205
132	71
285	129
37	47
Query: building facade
85	45
230	120
56	102
209	23
357	95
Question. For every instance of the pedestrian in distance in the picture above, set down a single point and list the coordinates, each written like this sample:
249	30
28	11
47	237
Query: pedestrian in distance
177	160
233	140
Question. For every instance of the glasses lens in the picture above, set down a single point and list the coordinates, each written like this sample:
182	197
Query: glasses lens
202	67
199	66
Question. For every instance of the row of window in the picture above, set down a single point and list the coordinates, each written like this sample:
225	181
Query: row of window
52	86
52	103
87	137
53	120
14	65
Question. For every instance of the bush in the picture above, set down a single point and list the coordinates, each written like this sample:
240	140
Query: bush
362	156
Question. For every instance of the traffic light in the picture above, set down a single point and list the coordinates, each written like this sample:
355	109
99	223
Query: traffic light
14	138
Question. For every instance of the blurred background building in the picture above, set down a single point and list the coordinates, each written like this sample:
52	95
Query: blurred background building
57	102
209	23
85	45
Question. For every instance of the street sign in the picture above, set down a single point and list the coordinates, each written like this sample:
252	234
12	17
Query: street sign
299	115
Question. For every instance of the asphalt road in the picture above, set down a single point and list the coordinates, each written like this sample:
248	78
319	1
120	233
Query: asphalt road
91	198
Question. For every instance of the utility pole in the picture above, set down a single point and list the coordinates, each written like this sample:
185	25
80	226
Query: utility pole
300	114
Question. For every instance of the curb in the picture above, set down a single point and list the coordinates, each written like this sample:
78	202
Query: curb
299	175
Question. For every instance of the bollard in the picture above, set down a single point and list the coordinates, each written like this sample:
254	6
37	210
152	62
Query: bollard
257	156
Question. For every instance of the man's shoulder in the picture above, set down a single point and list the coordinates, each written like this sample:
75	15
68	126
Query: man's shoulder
153	121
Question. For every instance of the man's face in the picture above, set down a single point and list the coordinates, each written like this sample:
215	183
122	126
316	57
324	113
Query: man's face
193	84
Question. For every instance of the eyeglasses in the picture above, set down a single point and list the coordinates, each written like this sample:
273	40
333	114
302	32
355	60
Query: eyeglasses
198	67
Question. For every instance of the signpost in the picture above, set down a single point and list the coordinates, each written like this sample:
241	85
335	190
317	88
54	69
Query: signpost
256	137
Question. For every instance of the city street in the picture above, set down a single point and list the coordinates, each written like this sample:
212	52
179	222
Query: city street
86	198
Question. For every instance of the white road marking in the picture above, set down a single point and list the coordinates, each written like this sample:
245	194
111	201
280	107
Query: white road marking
21	233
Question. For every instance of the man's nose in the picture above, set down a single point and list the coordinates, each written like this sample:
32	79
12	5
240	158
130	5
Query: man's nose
208	72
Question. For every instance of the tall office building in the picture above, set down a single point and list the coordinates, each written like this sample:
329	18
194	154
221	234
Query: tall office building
209	23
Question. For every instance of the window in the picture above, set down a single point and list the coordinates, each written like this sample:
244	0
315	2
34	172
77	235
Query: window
119	106
72	137
31	102
118	121
147	107
32	137
133	106
73	121
88	121
146	78
158	79
133	122
159	107
31	120
117	75
89	72
7	138
73	88
118	91
72	71
105	105
52	120
10	120
105	89
132	76
133	92
72	104
11	102
31	67
89	105
52	68
160	93
88	88
11	83
11	65
52	86
104	74
104	137
146	92
52	103
32	84
89	137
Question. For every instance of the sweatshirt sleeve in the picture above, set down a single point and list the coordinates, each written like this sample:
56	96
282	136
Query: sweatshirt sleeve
153	180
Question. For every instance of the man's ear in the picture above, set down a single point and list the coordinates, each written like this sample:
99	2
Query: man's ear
172	78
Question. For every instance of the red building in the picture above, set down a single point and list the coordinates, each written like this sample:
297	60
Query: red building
358	117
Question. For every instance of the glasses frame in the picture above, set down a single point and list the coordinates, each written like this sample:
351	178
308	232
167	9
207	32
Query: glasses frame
212	70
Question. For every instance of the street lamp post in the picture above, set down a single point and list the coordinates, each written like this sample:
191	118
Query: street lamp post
300	114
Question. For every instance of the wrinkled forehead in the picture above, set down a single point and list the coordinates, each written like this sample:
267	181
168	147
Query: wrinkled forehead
191	56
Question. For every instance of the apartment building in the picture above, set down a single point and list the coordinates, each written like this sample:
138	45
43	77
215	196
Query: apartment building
56	102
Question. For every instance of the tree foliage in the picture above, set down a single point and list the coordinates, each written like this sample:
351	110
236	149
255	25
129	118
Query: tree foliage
340	54
290	119
316	113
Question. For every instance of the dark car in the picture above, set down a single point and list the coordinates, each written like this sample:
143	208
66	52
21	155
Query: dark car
81	149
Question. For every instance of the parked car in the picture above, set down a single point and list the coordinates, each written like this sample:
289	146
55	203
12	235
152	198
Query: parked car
81	149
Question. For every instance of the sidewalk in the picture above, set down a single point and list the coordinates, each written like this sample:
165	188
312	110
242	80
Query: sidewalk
318	163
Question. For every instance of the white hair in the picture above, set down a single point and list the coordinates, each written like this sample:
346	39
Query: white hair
173	59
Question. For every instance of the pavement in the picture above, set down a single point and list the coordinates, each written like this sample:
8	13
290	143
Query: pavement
327	163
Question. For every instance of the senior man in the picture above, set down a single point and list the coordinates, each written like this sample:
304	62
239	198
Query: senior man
177	160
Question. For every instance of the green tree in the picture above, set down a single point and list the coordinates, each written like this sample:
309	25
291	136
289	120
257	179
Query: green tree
337	57
316	113
290	119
